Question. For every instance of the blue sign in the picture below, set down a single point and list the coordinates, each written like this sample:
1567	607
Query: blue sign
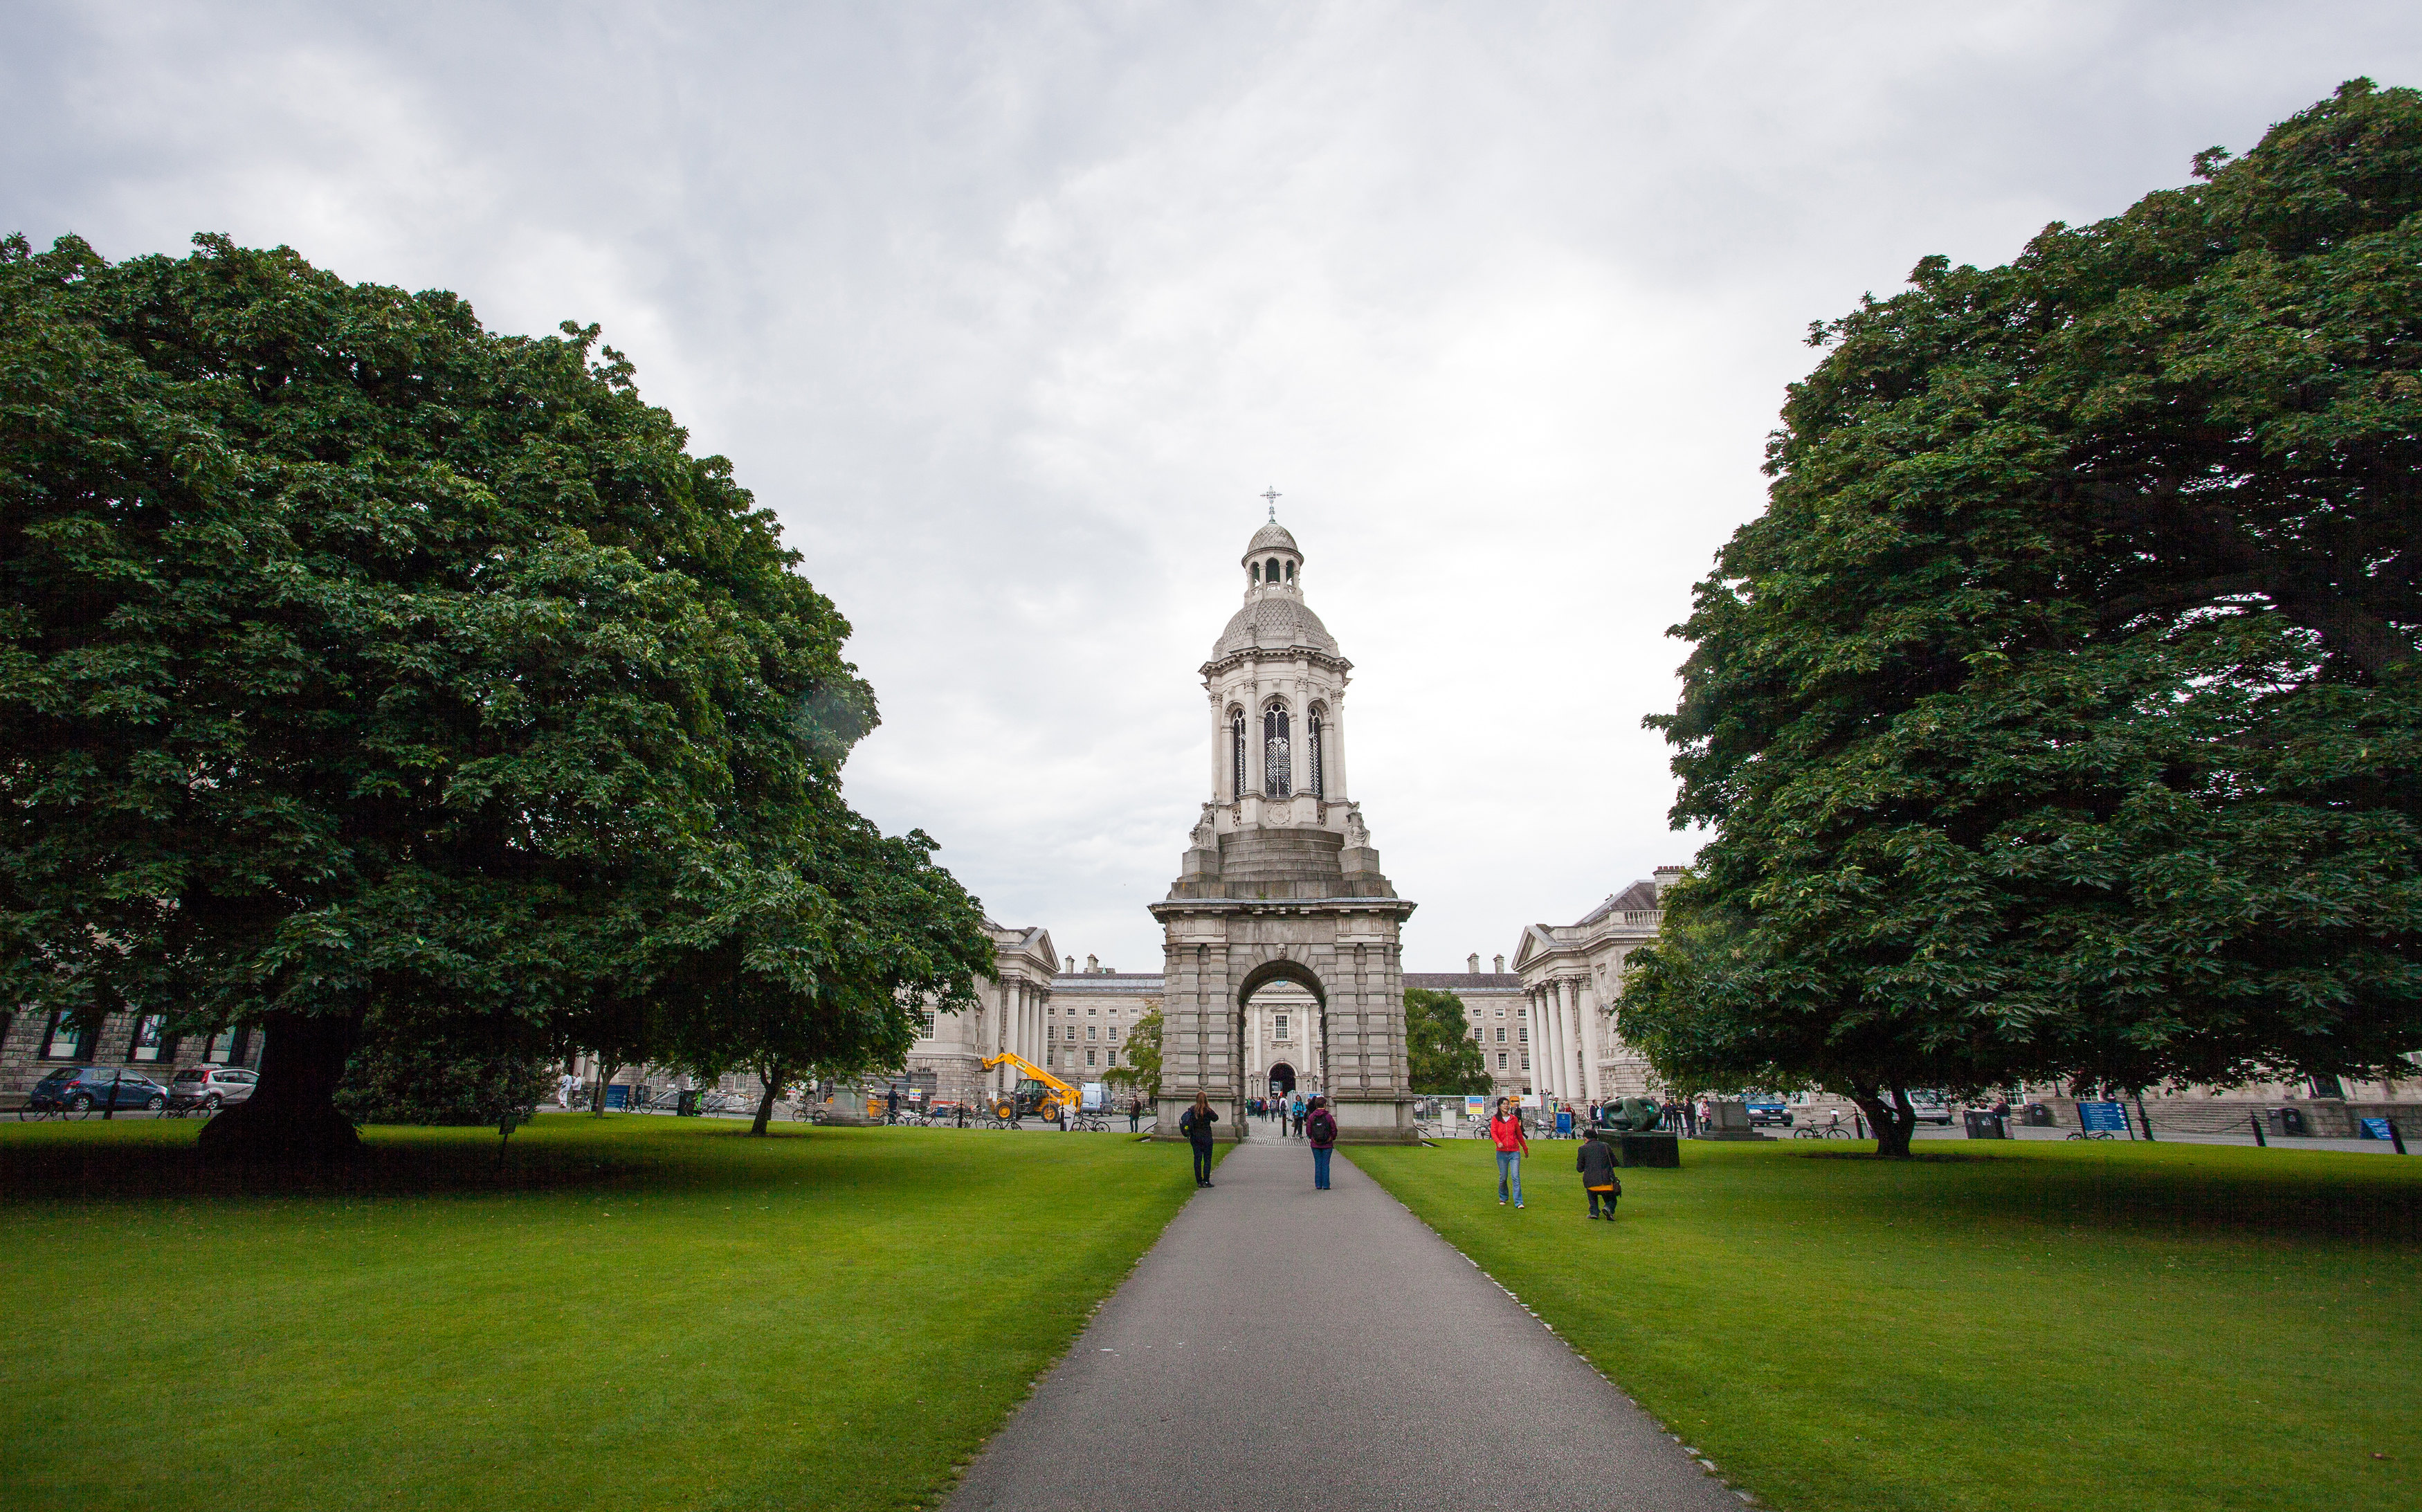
2103	1117
2374	1128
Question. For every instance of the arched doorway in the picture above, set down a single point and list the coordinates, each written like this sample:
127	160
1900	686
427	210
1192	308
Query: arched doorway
1281	1079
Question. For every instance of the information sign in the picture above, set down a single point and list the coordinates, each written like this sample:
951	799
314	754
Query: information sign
2103	1117
2375	1128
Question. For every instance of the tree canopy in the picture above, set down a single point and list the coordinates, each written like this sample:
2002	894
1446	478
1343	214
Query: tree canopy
2058	718
1439	1043
354	656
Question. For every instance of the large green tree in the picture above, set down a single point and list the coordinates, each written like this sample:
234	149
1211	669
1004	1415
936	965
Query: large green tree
1438	1041
2059	718
354	658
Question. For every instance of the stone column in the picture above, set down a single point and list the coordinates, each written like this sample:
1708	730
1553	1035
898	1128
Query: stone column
1568	1015
1332	749
1560	1083
1220	774
1593	1079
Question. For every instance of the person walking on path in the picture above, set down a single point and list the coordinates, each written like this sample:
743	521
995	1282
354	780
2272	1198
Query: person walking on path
1596	1162
1135	1116
1196	1126
1320	1127
1295	1115
1506	1129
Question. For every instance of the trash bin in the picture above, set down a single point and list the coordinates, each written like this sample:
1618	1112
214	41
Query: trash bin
1983	1124
2039	1116
685	1106
2286	1121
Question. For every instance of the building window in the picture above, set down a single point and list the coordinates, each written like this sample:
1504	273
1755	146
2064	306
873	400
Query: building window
1088	1057
1526	1059
1114	1059
1090	1032
63	1040
1256	571
151	1038
1275	779
1279	1026
1237	751
1501	1060
224	1047
1313	725
1525	1034
1290	570
1270	573
1114	1031
1501	1033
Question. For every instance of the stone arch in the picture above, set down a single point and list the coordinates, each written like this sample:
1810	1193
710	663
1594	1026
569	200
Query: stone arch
1282	970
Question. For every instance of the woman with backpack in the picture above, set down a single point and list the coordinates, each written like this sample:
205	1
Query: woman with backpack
1320	1127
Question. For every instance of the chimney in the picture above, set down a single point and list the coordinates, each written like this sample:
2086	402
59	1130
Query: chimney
1501	965
1093	965
1666	876
1472	963
1072	965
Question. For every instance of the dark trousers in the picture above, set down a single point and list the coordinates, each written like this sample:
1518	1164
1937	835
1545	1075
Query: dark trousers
1319	1168
1607	1197
1202	1160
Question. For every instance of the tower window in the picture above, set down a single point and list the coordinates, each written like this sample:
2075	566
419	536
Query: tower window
1290	571
1276	778
1270	573
1257	572
1236	743
1313	727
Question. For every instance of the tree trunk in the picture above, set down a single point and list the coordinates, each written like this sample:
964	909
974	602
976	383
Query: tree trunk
291	1115
605	1075
1893	1121
773	1077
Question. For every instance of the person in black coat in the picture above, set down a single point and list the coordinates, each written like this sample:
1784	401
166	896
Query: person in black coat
1596	1162
1196	1125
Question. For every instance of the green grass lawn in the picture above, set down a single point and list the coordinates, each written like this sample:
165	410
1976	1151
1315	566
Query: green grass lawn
631	1312
2139	1327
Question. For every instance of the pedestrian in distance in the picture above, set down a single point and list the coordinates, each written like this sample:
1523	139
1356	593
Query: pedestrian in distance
1596	1162
1135	1116
1512	1145
1196	1126
1320	1127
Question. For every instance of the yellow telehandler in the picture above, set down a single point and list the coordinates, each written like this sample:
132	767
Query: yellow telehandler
1037	1094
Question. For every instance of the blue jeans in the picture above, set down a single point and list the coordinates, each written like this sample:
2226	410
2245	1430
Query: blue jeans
1509	1174
1320	1169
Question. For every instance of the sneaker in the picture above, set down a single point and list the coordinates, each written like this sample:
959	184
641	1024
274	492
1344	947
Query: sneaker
1517	1204
1501	1201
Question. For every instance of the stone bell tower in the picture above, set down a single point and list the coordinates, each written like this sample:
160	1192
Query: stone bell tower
1280	882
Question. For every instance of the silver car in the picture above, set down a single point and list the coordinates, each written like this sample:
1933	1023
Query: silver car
211	1086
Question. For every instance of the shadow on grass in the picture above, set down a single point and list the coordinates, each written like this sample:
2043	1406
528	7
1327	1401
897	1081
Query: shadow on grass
151	1159
2368	1199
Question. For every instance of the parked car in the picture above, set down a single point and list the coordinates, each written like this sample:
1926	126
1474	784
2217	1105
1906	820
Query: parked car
1768	1111
211	1086
79	1088
1931	1107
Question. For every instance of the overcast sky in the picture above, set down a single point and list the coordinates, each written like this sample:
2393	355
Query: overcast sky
1011	311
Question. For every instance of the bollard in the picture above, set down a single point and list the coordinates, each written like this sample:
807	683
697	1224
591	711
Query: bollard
2396	1137
2259	1138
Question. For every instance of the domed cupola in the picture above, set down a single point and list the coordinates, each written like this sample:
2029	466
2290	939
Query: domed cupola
1272	560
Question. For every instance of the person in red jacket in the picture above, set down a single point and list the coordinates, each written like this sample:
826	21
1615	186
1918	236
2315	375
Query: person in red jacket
1320	1127
1506	1129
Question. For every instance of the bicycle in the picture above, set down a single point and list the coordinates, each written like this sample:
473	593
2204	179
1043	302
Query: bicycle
2091	1134
1829	1131
35	1113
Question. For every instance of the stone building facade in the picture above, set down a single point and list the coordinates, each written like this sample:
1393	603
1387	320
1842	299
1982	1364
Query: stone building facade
1499	1013
33	1045
1572	987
